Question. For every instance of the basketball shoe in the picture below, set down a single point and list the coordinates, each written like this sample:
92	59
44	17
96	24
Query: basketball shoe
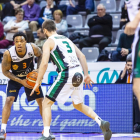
51	134
2	135
106	130
46	138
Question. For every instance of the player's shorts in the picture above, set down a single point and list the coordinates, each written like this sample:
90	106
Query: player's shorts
136	55
13	88
68	83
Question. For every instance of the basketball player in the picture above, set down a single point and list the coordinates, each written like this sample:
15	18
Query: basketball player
64	55
17	62
131	28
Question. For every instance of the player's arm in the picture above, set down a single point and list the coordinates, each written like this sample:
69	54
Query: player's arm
131	26
47	47
6	66
84	65
37	53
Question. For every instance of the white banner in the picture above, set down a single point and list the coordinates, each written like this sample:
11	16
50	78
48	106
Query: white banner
100	72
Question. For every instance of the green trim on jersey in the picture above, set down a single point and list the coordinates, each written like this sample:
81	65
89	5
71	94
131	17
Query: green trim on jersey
60	37
57	85
59	59
57	64
137	68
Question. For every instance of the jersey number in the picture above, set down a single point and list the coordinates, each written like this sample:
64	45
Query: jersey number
68	46
24	65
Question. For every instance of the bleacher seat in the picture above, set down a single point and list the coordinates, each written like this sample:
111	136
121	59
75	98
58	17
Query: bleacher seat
76	21
88	17
66	2
118	36
91	53
109	49
83	32
42	4
110	5
116	20
119	32
95	5
3	50
121	4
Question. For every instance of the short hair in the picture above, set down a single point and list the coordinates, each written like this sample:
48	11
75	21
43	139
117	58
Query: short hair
41	30
19	34
129	58
101	5
59	13
18	11
49	25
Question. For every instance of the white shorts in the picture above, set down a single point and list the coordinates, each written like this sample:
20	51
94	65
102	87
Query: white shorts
68	83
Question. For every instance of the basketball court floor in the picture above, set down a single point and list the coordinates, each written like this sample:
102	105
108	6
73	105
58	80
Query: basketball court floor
72	136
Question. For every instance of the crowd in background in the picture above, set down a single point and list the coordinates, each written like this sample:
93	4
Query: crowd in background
28	16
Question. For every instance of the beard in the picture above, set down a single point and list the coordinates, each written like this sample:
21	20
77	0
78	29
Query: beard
129	70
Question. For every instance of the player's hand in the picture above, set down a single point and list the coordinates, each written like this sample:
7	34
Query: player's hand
24	83
36	87
36	70
131	27
88	81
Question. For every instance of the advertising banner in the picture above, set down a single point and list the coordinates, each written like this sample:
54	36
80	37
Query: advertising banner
112	102
100	72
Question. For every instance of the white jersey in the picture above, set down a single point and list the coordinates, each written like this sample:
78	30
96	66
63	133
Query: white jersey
63	54
21	66
133	7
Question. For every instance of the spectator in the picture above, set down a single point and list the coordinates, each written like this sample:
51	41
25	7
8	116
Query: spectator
10	7
47	12
61	25
83	5
100	30
12	27
31	14
126	75
123	48
1	31
124	16
42	38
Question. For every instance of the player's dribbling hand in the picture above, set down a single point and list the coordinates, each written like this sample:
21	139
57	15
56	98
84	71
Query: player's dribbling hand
131	27
88	81
36	87
24	83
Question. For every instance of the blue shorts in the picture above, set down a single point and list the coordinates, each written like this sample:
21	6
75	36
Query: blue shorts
13	88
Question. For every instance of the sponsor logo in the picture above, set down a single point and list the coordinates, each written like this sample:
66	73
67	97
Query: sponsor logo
15	59
12	91
32	106
52	77
107	76
30	54
15	67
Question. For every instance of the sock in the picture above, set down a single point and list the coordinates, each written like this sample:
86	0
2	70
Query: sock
98	120
46	131
3	127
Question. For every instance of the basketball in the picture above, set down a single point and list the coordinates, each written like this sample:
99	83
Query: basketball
31	78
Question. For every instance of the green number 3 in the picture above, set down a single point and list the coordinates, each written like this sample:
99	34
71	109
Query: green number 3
68	46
